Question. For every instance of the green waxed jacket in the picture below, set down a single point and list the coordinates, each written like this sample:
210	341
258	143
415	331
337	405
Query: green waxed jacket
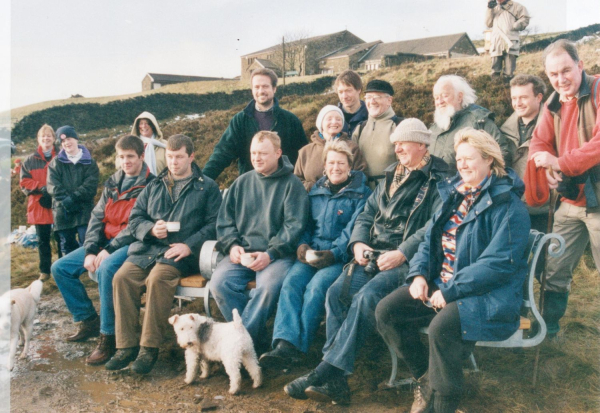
473	116
235	142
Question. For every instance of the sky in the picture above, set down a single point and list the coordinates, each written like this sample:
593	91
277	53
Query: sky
59	48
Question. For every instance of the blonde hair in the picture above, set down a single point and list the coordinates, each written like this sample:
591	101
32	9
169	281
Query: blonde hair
46	128
485	144
338	146
268	135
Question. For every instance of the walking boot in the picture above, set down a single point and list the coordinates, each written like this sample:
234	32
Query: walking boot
423	402
281	357
555	306
296	388
122	358
334	390
144	362
87	329
104	351
44	276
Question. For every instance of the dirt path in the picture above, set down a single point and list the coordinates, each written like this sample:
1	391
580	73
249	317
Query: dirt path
55	378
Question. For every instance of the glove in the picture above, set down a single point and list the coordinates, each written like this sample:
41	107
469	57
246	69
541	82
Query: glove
46	200
69	205
324	259
492	4
301	253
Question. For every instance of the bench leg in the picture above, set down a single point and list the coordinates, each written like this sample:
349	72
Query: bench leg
474	363
207	298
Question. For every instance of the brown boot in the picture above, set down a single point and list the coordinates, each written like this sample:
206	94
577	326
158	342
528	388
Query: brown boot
87	328
44	276
104	351
423	396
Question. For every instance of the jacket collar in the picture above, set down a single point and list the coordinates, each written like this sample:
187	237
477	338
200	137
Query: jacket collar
585	89
86	157
358	182
40	154
142	179
251	108
196	173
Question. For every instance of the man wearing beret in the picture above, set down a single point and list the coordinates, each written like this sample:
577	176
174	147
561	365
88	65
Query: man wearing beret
393	224
372	135
72	182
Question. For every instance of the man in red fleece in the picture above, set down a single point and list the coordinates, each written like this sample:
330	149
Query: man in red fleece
567	143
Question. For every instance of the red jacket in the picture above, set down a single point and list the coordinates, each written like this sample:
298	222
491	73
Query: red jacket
33	178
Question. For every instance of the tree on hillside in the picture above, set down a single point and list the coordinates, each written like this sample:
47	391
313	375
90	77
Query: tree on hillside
291	53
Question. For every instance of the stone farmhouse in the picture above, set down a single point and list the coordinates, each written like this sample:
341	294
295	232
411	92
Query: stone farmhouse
157	80
302	56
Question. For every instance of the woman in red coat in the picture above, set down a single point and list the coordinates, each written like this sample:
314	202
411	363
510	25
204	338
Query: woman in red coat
39	203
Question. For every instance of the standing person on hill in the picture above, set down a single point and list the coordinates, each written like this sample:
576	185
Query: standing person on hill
105	249
526	92
330	125
261	220
567	144
162	253
39	204
263	113
348	86
72	182
455	109
373	134
506	18
146	127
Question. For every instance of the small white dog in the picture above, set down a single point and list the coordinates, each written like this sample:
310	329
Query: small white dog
17	311
204	339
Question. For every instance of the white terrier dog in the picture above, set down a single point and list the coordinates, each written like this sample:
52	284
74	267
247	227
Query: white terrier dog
17	311
228	343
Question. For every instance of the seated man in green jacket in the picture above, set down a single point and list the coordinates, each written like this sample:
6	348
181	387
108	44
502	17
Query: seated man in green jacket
262	113
260	222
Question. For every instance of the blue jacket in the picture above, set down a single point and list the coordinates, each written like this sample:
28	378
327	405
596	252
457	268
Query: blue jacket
332	216
359	116
491	257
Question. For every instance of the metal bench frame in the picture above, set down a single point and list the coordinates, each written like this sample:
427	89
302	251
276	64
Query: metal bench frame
535	246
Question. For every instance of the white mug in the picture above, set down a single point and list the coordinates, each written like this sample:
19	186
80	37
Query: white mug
173	226
247	259
311	255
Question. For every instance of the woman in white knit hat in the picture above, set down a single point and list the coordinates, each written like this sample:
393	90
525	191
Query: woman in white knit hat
309	166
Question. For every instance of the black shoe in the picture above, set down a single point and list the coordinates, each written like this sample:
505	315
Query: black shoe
335	390
122	358
144	362
295	389
282	357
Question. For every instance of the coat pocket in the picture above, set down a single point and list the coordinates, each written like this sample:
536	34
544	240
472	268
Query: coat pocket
500	307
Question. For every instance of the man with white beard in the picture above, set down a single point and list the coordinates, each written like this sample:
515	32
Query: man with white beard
455	109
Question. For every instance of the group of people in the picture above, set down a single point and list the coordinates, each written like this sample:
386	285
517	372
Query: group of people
378	224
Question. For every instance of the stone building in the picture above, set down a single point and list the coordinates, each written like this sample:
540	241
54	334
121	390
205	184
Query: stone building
302	56
157	80
347	58
395	53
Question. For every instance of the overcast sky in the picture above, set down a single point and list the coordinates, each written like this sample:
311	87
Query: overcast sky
100	48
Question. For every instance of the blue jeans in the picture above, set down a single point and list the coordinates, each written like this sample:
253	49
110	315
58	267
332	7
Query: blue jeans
347	327
66	272
68	238
228	286
302	303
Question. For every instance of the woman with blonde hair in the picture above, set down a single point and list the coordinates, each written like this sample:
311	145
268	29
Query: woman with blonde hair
466	280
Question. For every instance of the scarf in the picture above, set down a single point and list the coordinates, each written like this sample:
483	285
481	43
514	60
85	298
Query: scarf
402	173
149	153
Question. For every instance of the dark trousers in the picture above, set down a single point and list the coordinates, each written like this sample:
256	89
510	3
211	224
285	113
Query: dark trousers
510	64
399	318
44	234
68	238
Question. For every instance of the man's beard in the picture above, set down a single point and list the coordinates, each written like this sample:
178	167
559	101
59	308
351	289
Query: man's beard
443	116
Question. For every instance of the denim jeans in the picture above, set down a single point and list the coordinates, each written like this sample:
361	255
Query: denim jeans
302	303
69	237
228	286
347	327
66	272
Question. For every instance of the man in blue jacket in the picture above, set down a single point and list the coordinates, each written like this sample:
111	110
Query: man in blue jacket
263	113
348	86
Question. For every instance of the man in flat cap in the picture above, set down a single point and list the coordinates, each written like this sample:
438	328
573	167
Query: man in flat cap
372	135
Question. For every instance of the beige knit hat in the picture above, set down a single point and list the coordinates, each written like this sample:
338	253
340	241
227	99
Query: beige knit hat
411	130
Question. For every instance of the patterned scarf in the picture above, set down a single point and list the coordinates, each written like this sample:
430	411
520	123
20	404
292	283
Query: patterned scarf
471	193
402	173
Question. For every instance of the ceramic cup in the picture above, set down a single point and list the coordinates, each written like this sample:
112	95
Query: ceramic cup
311	255
247	259
173	226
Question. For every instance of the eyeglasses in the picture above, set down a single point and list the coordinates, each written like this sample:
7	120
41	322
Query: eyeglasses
374	98
429	305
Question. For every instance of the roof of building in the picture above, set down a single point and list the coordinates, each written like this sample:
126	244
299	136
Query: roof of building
297	42
426	46
267	64
351	50
159	77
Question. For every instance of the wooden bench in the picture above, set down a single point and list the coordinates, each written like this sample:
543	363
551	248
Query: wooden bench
198	285
535	246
